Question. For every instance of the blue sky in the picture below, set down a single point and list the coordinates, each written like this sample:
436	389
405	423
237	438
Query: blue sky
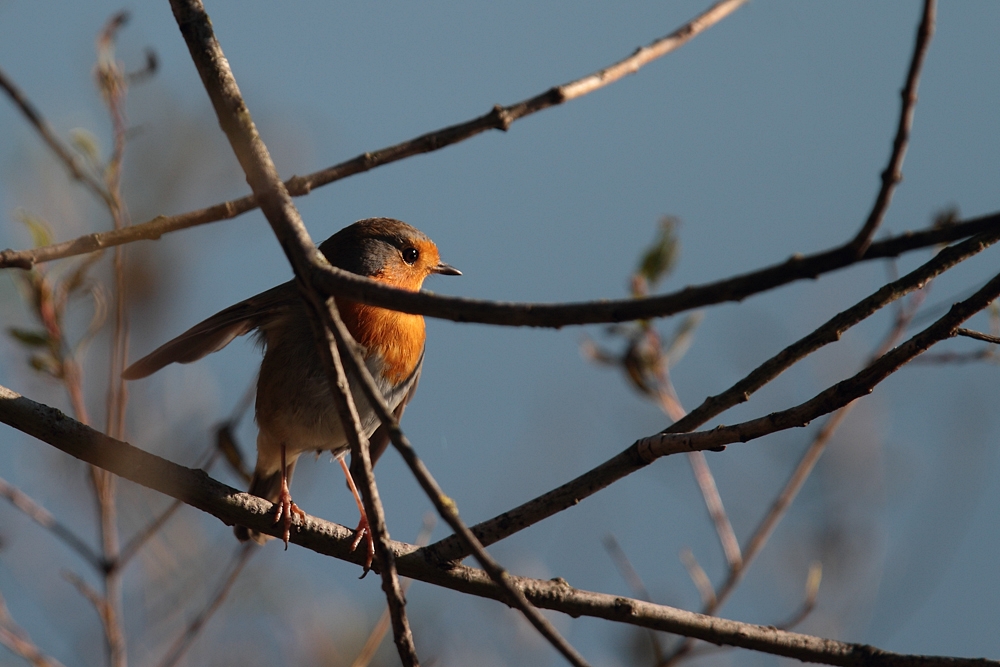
765	136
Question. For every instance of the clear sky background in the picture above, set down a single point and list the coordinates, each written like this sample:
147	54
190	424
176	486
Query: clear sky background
765	136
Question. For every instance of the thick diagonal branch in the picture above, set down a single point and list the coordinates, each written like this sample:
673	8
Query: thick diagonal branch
254	158
197	489
630	460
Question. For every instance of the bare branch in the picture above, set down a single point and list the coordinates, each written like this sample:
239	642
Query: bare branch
624	565
629	461
649	53
138	540
91	594
809	599
44	518
197	489
831	399
716	510
671	405
498	118
444	505
328	322
978	336
336	282
132	547
234	117
17	640
63	152
893	174
932	358
243	554
382	625
698	577
634	581
790	491
111	82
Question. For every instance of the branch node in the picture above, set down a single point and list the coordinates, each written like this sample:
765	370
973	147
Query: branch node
13	259
625	605
502	118
298	186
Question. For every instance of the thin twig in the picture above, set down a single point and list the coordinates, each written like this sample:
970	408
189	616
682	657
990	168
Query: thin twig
634	581
969	333
498	118
831	399
243	555
790	491
698	577
231	506
628	461
382	625
65	154
716	510
225	440
112	85
671	405
809	600
444	505
327	323
893	173
133	546
803	612
17	640
91	594
44	518
933	358
802	471
624	565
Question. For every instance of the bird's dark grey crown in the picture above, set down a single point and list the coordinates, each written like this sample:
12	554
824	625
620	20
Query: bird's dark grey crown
366	246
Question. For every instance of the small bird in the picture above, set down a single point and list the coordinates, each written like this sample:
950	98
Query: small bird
295	410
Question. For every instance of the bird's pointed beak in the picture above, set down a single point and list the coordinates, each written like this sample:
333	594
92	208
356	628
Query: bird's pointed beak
446	270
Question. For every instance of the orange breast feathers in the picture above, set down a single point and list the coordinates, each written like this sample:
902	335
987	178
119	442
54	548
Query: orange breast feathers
397	337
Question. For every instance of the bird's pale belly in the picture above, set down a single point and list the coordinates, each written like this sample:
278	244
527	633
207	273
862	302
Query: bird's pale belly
303	417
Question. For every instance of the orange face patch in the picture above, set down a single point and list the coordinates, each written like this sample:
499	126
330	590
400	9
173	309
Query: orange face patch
398	273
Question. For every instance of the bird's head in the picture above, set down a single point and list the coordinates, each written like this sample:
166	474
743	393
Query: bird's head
387	250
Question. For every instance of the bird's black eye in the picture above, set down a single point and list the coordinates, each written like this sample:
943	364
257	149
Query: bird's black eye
410	255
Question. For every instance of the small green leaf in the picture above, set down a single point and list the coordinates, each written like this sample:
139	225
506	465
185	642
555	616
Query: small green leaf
41	233
682	338
86	144
30	338
661	256
46	364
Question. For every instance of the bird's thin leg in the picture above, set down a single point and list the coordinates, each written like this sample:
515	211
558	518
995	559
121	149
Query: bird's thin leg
362	531
285	508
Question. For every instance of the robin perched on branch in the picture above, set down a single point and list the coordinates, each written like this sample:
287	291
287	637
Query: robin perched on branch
295	410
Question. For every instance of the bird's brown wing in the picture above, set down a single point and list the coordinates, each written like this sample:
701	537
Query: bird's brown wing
217	331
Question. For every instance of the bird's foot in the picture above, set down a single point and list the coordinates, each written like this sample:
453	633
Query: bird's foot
286	510
363	532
